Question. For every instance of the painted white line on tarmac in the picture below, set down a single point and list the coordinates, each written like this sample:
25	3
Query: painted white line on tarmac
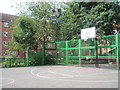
106	81
49	70
79	75
36	73
11	81
47	77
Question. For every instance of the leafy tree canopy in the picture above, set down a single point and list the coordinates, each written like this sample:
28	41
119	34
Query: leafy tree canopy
24	31
102	15
63	21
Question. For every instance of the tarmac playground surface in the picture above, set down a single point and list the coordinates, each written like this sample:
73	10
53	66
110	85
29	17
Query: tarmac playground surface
58	76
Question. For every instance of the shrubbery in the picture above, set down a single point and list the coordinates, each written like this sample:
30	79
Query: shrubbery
35	59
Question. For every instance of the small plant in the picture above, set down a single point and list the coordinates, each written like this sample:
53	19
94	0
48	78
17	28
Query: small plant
35	59
49	60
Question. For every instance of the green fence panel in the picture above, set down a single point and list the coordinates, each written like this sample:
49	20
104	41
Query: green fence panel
119	51
14	62
84	51
76	52
73	43
50	54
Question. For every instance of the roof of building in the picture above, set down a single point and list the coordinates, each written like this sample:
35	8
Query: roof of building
7	17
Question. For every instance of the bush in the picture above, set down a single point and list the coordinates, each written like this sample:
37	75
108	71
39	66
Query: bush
36	59
49	60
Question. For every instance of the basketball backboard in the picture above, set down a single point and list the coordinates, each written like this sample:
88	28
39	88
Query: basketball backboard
88	33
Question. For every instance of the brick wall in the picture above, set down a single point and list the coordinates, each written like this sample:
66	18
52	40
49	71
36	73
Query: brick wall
0	38
5	18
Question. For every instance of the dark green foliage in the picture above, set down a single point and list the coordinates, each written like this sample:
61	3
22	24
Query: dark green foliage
14	62
66	21
35	59
74	61
102	15
79	15
24	32
68	26
49	60
42	13
61	61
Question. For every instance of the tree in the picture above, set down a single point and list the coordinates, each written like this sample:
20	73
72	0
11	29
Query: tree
47	17
24	31
102	15
41	12
66	21
69	28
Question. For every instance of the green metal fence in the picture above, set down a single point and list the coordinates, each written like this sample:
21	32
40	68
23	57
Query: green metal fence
14	62
50	53
76	53
68	52
83	52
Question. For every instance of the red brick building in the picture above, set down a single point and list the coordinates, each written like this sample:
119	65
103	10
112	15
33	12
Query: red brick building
5	35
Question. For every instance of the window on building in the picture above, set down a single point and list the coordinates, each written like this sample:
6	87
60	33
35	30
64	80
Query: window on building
5	43
11	20
5	34
15	52
5	53
5	24
49	45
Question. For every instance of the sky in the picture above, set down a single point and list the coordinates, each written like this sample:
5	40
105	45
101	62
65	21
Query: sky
6	5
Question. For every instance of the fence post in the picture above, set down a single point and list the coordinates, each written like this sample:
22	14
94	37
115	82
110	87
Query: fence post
79	52
27	56
66	52
56	53
96	49
117	51
43	52
8	64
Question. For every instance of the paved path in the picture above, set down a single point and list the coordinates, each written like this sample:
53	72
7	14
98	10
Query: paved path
59	77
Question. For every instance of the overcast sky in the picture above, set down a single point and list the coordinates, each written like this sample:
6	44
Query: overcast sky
6	5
